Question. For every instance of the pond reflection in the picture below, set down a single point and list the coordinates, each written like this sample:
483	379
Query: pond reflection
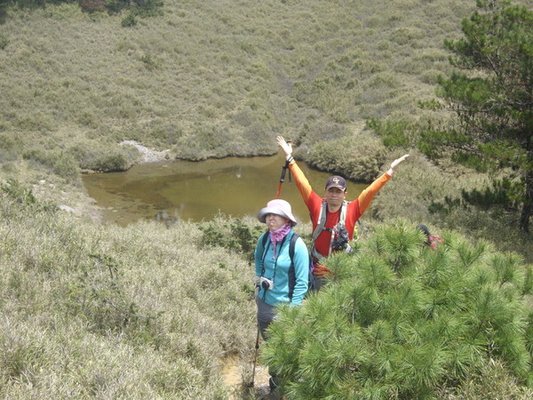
199	190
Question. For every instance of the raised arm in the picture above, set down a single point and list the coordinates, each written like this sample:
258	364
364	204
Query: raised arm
285	146
395	163
303	185
367	195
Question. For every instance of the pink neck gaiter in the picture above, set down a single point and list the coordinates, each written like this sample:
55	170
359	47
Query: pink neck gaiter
278	235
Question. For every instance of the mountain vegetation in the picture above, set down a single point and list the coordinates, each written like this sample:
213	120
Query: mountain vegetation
493	102
402	320
94	310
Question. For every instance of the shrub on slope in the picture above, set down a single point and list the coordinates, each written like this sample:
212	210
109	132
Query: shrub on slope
400	320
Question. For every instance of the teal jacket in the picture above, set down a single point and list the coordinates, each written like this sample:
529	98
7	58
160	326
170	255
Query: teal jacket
277	270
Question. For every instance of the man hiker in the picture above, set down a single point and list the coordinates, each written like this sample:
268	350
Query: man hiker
333	217
432	241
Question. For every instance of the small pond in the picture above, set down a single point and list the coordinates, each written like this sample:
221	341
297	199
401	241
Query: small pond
198	191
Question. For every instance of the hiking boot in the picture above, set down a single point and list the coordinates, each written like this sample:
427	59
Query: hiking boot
272	384
263	392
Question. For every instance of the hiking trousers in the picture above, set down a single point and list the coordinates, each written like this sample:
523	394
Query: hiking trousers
265	315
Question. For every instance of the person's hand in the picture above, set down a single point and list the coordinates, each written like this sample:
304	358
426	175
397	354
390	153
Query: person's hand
286	147
395	163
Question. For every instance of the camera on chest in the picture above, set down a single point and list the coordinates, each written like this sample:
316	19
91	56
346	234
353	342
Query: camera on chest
340	238
266	283
340	241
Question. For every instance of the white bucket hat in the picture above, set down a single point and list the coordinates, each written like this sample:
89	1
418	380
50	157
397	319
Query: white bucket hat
278	207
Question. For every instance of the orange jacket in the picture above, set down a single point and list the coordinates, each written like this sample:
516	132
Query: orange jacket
314	203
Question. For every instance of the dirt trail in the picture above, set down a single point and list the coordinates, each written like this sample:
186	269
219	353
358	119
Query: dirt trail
233	373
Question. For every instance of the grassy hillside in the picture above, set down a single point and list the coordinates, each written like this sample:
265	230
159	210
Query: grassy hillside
145	311
214	78
109	312
218	78
86	306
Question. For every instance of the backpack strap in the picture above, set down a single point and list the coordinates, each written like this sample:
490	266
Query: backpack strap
264	241
342	219
265	238
320	226
321	222
265	244
292	271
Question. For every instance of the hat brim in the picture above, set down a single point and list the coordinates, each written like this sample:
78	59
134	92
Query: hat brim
261	216
336	186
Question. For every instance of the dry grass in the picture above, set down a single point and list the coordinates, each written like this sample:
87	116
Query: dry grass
87	308
206	79
215	78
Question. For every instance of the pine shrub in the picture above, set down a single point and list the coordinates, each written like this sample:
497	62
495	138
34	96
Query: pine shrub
401	320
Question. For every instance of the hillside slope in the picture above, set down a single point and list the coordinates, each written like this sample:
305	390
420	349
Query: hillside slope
216	78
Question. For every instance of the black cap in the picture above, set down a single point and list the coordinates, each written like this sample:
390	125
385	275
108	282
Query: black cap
337	182
424	229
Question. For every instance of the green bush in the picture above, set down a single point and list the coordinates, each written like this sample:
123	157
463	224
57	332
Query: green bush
113	162
59	162
9	148
147	8
416	184
18	192
128	20
399	320
501	192
4	41
357	157
115	6
93	156
232	234
91	6
97	293
393	133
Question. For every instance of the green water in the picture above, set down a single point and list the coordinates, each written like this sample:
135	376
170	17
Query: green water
197	191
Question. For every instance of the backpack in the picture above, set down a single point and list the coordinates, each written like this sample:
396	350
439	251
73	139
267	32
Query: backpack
292	272
321	223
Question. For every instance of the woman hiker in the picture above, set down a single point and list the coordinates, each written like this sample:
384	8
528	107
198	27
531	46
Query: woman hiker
280	278
333	217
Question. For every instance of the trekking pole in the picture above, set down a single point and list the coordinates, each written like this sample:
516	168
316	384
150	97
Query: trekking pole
282	178
256	342
255	357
